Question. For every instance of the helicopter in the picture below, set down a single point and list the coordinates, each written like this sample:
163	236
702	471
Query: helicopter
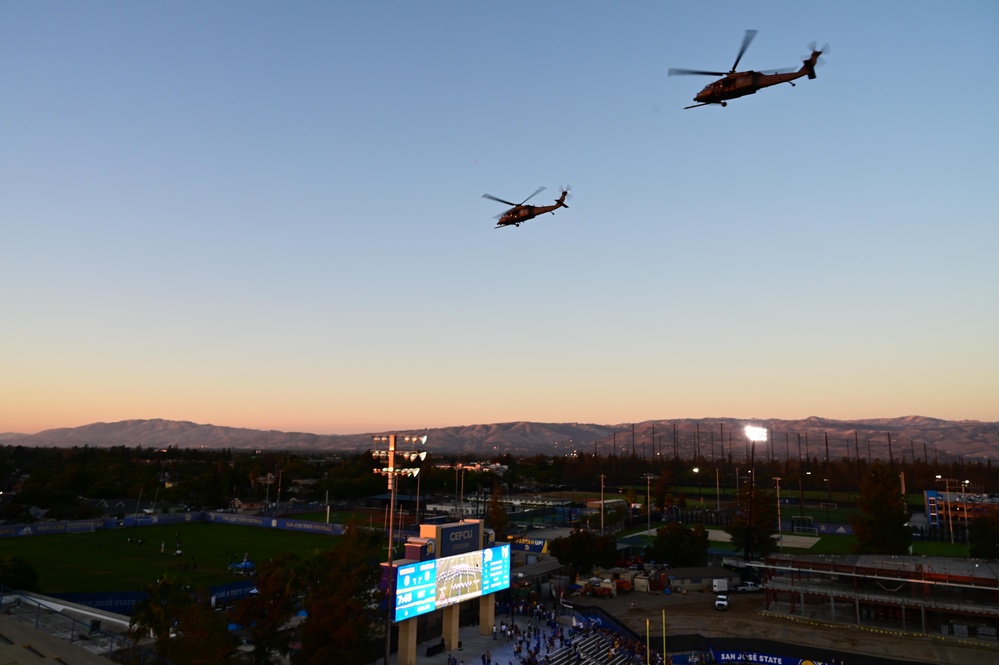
520	213
739	84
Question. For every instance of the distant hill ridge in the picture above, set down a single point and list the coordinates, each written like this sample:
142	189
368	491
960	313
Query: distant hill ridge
908	437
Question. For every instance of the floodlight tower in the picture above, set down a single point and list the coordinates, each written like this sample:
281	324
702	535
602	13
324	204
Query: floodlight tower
754	434
391	472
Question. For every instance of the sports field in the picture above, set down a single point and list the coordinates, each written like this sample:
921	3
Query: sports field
127	559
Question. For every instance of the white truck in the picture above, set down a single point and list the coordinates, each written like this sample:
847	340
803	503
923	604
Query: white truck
719	585
748	587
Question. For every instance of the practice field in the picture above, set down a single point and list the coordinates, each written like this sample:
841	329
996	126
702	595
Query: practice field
786	540
127	559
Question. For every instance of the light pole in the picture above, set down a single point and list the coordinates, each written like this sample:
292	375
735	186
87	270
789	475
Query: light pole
417	500
780	536
602	477
391	472
755	435
697	474
964	504
648	500
950	512
717	490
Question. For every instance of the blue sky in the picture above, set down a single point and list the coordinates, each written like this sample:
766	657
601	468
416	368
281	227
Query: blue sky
269	215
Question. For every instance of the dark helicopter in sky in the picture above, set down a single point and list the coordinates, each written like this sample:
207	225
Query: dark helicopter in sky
520	213
739	84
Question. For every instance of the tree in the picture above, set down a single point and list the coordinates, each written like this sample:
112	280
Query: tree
200	636
753	526
880	525
267	613
679	545
342	606
497	517
18	574
156	613
629	497
983	536
583	550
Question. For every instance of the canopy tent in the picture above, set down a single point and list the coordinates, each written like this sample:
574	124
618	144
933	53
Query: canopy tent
244	567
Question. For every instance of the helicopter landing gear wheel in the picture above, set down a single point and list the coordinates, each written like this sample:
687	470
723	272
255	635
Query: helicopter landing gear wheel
724	104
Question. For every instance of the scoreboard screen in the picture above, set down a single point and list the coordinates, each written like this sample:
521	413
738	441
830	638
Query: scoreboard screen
459	578
495	569
424	586
415	586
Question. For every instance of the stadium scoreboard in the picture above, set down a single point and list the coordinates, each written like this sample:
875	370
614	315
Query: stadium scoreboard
424	586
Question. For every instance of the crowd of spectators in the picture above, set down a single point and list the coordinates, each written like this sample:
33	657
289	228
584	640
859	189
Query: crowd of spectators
543	636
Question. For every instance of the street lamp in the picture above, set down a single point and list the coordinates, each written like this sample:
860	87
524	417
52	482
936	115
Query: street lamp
391	472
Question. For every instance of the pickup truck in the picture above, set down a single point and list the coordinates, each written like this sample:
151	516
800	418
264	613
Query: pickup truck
747	587
721	602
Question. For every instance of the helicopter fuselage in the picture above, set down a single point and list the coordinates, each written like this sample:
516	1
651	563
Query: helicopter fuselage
519	214
740	84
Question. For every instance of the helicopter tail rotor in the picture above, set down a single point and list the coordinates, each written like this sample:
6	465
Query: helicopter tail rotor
812	61
566	196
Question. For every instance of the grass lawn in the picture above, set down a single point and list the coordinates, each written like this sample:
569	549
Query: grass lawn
929	548
107	561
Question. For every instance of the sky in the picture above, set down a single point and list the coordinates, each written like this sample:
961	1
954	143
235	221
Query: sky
270	215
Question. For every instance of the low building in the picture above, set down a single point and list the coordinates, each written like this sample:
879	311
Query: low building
938	596
955	508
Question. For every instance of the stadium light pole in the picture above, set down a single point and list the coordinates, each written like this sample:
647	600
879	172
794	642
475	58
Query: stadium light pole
755	434
648	499
780	537
391	472
602	477
950	511
697	474
717	490
964	504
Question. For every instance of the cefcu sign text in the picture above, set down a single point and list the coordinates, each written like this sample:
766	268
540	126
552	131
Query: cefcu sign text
460	538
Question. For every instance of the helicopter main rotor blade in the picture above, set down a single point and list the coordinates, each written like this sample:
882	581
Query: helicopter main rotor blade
746	41
785	70
673	71
493	198
536	192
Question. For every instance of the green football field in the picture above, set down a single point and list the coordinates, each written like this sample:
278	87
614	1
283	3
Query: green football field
127	559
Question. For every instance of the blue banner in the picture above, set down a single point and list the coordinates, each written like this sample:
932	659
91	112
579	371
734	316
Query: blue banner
760	658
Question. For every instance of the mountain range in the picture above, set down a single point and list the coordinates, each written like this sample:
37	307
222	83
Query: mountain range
908	438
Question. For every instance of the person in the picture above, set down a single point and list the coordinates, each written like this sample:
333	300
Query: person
494	631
